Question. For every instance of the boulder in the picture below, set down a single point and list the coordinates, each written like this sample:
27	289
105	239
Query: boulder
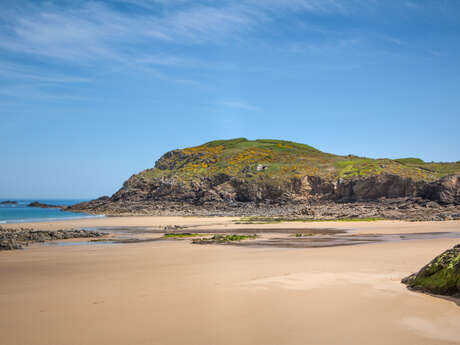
441	276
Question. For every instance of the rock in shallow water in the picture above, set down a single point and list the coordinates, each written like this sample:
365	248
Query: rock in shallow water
42	205
441	276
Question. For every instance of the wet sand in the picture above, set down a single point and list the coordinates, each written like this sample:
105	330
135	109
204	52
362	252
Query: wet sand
172	292
229	224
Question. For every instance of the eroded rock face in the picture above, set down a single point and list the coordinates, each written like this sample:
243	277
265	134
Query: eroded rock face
441	276
220	188
446	190
224	188
386	196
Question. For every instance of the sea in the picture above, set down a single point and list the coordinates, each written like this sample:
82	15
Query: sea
20	212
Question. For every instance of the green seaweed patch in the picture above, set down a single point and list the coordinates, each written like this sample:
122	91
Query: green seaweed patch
274	220
181	235
222	239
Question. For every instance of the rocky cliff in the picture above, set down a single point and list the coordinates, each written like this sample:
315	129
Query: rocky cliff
255	177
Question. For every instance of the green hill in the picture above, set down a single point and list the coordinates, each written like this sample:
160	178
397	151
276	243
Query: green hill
248	159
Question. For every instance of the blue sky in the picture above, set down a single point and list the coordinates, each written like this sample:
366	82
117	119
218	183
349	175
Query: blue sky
94	91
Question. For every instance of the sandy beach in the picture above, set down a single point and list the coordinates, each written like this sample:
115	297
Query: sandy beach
229	172
174	292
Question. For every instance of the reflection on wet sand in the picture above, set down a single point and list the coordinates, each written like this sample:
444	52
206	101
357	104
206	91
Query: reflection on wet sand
281	238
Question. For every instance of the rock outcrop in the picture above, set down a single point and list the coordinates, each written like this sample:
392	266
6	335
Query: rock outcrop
441	276
18	238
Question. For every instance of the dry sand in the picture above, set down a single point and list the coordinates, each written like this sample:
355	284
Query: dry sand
179	293
124	221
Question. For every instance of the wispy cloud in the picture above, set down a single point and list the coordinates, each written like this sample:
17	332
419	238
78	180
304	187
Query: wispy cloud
313	6
412	4
33	74
77	34
105	36
238	105
37	92
393	40
335	45
151	36
93	30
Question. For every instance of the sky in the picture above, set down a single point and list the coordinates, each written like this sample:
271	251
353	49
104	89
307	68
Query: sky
92	92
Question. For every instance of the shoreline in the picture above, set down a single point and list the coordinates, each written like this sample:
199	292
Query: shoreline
40	210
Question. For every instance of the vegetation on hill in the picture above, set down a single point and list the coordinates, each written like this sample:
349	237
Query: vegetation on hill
280	159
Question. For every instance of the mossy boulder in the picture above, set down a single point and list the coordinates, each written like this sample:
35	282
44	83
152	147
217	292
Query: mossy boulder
441	276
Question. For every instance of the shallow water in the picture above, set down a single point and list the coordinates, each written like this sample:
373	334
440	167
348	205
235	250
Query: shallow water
320	241
79	243
281	238
19	213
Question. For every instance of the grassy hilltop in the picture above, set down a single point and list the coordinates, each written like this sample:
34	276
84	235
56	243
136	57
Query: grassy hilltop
284	159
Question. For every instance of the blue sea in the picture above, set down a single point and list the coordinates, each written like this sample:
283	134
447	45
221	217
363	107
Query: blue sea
21	213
